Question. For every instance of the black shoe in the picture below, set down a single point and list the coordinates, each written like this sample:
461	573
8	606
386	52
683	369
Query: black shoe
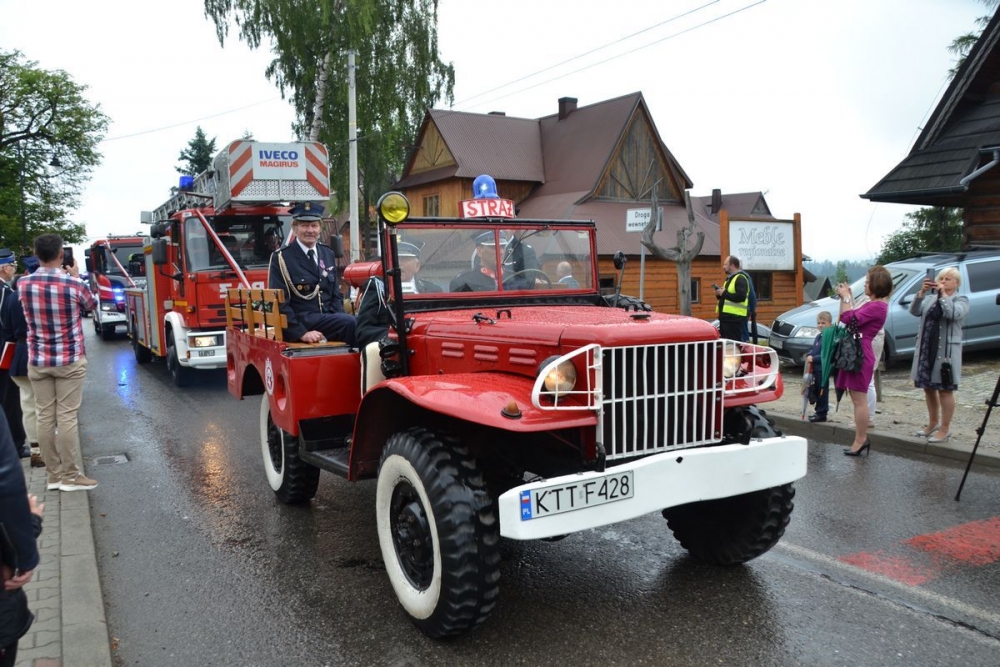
865	448
817	418
24	451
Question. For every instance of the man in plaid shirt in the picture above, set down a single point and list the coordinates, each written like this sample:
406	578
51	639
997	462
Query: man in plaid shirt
54	298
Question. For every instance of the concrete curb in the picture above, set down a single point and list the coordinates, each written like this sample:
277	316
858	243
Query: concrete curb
900	444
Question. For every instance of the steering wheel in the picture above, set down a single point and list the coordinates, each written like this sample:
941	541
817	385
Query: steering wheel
545	277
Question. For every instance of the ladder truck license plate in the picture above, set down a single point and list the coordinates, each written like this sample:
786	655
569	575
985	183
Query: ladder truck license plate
559	498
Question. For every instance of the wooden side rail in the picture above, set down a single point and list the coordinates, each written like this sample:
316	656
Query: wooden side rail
256	312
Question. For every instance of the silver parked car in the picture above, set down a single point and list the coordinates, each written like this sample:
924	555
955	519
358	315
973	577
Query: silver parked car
792	334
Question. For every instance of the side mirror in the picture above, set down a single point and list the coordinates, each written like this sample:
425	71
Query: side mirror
159	253
337	244
146	217
89	264
159	230
620	260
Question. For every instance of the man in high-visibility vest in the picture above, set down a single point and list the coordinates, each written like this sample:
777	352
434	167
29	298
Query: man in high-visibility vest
734	301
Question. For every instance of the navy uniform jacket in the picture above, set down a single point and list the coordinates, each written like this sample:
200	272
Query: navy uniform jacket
311	287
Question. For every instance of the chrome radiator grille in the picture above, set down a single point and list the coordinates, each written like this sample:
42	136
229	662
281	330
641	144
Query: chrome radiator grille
661	397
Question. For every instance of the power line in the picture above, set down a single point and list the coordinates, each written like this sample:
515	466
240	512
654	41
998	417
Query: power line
625	53
188	122
587	53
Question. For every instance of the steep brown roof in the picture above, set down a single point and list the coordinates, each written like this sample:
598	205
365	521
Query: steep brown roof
504	147
965	122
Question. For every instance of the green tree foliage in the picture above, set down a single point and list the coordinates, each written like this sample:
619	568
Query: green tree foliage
841	275
399	74
932	229
962	44
198	155
43	116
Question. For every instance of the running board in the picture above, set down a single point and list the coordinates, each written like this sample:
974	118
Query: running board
336	460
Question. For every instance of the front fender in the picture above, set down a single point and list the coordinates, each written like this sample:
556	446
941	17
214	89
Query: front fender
473	398
175	323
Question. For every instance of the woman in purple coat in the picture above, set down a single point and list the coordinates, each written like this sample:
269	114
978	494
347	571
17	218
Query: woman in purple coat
870	317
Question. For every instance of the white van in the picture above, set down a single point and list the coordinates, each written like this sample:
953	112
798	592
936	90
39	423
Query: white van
792	334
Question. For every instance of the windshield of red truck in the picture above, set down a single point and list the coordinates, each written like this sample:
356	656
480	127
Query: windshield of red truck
457	258
250	240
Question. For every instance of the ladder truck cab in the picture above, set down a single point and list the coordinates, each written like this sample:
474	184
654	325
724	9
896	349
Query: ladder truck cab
107	261
215	233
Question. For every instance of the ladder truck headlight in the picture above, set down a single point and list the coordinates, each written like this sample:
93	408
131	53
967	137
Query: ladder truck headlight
205	341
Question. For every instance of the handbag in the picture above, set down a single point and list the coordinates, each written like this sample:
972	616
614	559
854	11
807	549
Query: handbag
947	375
849	356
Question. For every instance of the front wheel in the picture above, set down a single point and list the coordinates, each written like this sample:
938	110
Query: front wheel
438	530
180	374
729	531
292	479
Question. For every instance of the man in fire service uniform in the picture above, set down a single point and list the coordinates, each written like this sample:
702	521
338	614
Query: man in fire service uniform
307	271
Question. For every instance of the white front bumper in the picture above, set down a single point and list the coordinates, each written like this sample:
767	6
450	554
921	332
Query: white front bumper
665	480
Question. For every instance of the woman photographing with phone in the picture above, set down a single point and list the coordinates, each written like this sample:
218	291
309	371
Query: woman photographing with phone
937	362
866	319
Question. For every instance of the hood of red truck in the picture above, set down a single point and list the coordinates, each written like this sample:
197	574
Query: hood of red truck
569	326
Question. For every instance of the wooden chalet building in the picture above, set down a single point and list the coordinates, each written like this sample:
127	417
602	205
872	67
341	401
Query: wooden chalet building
956	159
588	163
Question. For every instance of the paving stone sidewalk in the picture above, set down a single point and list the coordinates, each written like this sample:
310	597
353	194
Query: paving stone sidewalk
65	593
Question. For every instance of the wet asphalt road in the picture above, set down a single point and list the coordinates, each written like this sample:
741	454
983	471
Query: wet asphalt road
201	566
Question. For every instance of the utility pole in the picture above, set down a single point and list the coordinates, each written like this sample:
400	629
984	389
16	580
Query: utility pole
352	138
24	219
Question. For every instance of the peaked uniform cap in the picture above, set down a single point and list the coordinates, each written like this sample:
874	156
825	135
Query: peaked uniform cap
7	256
488	238
307	212
31	263
405	249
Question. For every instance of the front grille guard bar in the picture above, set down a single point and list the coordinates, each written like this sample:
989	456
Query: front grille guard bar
748	368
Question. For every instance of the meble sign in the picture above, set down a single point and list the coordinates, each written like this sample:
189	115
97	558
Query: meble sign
763	245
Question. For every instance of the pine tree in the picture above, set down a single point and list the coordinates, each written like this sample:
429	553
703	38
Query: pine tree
198	155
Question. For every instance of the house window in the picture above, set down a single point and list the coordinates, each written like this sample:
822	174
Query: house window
762	282
432	206
696	290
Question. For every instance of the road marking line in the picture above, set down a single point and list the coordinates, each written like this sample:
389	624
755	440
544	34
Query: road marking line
873	577
974	543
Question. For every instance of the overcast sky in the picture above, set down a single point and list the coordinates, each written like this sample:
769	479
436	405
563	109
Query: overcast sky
809	101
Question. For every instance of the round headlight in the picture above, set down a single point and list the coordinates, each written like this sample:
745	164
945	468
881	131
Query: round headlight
561	378
731	365
393	207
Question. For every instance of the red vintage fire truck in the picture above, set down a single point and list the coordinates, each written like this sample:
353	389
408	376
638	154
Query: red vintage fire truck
216	232
511	402
107	261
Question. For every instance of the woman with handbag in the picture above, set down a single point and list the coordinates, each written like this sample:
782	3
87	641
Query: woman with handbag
937	363
864	323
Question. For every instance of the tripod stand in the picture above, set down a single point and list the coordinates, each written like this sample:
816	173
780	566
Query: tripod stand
990	404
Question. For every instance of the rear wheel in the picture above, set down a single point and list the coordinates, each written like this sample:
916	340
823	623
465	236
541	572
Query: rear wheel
142	353
729	531
108	331
292	479
438	530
